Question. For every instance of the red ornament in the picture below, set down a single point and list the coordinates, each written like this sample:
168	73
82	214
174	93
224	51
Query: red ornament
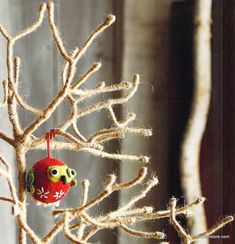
49	180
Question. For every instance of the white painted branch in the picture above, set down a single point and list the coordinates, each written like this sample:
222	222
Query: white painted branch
190	168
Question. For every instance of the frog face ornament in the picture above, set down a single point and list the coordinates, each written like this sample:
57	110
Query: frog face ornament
49	180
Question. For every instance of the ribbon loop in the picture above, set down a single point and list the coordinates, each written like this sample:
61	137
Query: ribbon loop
49	136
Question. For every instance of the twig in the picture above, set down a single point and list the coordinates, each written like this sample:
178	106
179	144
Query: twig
5	33
7	199
149	185
82	226
101	88
186	238
180	230
99	153
110	102
108	21
34	26
7	139
67	232
55	32
137	180
77	141
216	227
53	232
5	92
143	234
95	67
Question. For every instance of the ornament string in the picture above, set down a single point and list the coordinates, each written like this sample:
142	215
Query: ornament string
49	136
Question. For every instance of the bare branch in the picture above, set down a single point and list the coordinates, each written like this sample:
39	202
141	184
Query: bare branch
143	234
102	154
5	33
7	199
28	230
181	232
34	26
5	163
81	227
53	105
150	184
67	232
137	211
186	238
85	185
108	21
101	88
8	176
24	104
216	227
77	132
110	102
56	35
77	141
90	233
7	139
95	67
66	66
126	185
17	62
130	117
5	92
100	135
53	232
12	71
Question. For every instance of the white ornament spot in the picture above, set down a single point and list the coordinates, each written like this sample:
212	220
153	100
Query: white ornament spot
42	193
59	194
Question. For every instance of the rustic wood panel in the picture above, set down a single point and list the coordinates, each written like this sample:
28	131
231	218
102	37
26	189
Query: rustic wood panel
146	52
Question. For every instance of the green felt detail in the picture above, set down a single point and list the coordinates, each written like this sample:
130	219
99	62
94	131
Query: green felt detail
30	181
74	182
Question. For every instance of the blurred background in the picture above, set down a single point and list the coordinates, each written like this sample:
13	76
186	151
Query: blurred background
153	38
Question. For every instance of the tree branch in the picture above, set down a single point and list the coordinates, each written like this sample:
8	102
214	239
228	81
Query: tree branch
5	92
108	21
55	32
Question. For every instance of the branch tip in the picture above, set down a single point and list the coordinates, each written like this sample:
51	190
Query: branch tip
110	19
110	180
144	159
100	85
200	200
126	84
85	182
136	78
172	202
131	116
143	171
155	180
97	65
42	7
50	6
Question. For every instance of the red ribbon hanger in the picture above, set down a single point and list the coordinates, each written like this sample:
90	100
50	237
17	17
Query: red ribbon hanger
49	136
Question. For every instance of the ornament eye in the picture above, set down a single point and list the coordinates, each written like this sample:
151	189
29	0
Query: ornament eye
72	172
55	172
